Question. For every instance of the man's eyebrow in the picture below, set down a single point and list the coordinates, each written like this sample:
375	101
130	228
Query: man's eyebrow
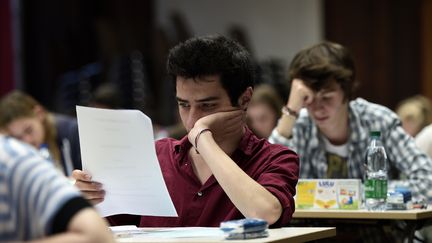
181	100
327	90
211	98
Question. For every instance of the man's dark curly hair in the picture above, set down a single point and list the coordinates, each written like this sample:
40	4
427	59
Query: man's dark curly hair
213	55
323	63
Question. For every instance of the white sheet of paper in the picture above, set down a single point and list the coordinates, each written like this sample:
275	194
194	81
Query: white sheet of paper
118	150
134	232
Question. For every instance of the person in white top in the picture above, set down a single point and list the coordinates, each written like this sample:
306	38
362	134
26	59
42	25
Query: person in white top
424	140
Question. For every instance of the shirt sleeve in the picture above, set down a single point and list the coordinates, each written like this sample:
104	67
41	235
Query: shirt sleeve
410	160
277	138
280	178
66	213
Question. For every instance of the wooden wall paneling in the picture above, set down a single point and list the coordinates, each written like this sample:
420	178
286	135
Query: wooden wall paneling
426	54
383	36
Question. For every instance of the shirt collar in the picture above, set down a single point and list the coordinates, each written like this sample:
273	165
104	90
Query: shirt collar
247	142
183	145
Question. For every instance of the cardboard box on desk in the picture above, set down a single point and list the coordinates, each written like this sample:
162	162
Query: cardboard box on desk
328	194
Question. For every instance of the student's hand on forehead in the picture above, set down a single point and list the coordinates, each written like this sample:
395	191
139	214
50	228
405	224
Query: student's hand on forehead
222	124
300	95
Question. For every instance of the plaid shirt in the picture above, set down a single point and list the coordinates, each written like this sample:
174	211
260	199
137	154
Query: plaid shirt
403	155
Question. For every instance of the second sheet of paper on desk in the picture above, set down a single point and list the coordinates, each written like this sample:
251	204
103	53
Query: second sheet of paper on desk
118	150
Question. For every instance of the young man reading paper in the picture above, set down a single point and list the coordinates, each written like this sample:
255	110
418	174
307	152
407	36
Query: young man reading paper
220	170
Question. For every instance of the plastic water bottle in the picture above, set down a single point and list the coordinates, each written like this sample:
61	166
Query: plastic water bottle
376	174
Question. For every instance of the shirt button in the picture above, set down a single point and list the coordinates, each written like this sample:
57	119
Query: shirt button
199	194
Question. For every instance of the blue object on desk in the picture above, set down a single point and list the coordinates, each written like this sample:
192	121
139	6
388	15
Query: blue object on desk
244	225
395	201
249	228
405	191
249	235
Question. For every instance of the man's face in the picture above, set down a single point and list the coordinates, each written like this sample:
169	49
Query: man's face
200	97
27	129
328	107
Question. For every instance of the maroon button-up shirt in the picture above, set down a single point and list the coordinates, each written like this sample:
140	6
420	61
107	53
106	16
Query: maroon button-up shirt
273	166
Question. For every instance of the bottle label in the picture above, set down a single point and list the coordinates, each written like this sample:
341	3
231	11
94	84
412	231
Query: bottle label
375	188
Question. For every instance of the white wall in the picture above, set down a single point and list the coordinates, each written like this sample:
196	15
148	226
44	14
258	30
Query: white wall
276	28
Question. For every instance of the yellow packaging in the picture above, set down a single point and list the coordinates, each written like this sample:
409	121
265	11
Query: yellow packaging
328	194
325	195
305	194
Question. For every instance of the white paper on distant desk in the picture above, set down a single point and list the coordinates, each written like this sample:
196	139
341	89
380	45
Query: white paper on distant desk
117	148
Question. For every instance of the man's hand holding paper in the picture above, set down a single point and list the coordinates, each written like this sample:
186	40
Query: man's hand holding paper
91	190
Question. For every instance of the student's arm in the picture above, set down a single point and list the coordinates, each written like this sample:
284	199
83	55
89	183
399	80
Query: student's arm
85	226
300	96
249	197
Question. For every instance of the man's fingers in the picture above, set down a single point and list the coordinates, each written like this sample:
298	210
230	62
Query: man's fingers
96	201
236	115
81	175
94	195
88	186
91	190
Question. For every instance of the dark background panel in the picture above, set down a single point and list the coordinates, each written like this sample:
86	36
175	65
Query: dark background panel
384	37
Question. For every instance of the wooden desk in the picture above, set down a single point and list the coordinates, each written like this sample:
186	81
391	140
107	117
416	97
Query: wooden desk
414	214
280	235
414	219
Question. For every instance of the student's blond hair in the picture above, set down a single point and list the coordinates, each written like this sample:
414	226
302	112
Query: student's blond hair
16	105
417	109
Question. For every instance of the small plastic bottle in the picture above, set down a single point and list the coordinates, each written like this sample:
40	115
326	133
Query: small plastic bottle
376	175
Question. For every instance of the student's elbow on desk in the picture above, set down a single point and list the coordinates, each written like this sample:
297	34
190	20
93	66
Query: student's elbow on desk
271	213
